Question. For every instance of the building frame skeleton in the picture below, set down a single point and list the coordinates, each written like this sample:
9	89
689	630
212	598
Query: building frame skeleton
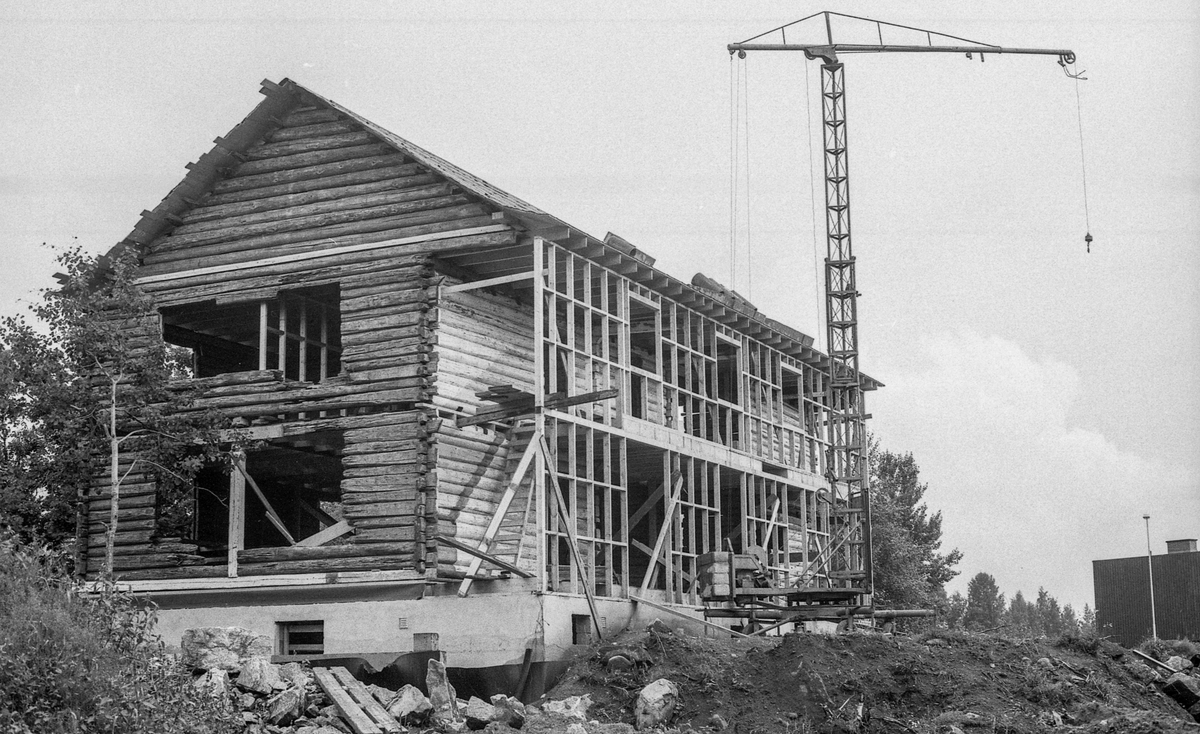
461	407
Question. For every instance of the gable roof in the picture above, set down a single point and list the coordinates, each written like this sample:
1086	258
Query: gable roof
287	95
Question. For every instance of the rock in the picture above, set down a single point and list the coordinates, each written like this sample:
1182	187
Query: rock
656	704
222	647
286	707
478	713
294	674
936	642
1194	710
247	701
260	676
1179	663
383	695
618	664
660	627
509	710
325	730
214	682
442	695
573	706
1184	689
718	722
576	728
409	704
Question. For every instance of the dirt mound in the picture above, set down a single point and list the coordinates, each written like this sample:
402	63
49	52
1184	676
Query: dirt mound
865	683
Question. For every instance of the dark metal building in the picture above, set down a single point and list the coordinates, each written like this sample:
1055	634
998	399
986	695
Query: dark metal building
1122	588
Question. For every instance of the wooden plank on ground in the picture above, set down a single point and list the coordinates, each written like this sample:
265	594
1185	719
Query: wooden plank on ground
688	617
367	701
346	706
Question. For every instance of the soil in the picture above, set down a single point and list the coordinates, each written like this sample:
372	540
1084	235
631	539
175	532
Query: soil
927	683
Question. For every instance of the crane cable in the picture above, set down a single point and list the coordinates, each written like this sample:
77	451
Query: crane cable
1087	238
812	195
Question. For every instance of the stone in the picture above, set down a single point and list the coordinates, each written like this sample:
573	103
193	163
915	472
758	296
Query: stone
656	704
325	730
660	627
260	675
225	648
442	695
1184	689
718	722
285	707
576	728
509	710
573	706
409	704
383	695
214	682
618	664
1179	663
247	701
478	713
294	674
1194	710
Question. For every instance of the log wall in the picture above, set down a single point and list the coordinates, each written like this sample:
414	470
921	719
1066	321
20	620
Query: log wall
483	339
318	181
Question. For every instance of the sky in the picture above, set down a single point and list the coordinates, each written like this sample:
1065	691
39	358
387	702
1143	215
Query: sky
1050	396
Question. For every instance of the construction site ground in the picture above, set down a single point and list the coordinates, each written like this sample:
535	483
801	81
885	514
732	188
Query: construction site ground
935	681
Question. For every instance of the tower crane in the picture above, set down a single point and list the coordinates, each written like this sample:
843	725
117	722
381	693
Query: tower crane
847	556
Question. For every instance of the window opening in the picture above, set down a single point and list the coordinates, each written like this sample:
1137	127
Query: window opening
297	332
643	336
301	638
581	629
791	398
729	371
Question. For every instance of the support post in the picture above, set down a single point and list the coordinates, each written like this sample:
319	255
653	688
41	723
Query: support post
237	512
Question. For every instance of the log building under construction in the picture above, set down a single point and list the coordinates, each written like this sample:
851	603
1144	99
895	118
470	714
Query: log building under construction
477	429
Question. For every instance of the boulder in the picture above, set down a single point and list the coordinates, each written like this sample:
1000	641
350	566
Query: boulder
260	675
509	710
656	704
478	713
214	682
442	695
409	704
285	707
618	664
1179	663
660	627
1184	689
573	706
294	674
576	728
225	648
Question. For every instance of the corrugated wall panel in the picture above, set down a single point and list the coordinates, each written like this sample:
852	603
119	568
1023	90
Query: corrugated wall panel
1122	587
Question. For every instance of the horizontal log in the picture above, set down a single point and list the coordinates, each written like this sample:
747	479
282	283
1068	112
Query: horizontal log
307	173
397	295
336	175
383	458
256	230
378	510
298	553
314	130
426	211
364	498
303	118
389	444
179	572
308	144
300	203
314	158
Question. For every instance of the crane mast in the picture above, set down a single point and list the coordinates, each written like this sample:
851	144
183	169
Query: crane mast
847	557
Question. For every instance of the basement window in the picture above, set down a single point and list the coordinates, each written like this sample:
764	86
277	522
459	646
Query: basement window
301	638
297	332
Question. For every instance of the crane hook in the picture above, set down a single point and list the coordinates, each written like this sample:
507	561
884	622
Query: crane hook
1087	240
1063	61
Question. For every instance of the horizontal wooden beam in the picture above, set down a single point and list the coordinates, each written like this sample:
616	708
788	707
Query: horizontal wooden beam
488	283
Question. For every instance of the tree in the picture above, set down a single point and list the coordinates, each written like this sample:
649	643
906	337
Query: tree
985	603
1070	624
956	609
94	385
909	569
1021	616
1087	623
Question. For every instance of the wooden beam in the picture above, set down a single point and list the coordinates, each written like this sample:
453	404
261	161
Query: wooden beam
367	701
655	496
350	711
526	407
455	543
488	283
333	532
315	254
667	525
573	540
689	618
510	492
237	515
271	514
635	543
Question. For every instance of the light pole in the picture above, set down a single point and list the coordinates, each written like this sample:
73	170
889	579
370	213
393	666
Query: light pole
1150	568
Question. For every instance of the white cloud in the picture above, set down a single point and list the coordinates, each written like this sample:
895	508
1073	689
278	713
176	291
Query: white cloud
1026	496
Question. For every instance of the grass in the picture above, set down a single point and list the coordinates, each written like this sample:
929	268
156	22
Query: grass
87	662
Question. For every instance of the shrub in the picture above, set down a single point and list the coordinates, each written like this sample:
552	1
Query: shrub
79	660
1164	649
